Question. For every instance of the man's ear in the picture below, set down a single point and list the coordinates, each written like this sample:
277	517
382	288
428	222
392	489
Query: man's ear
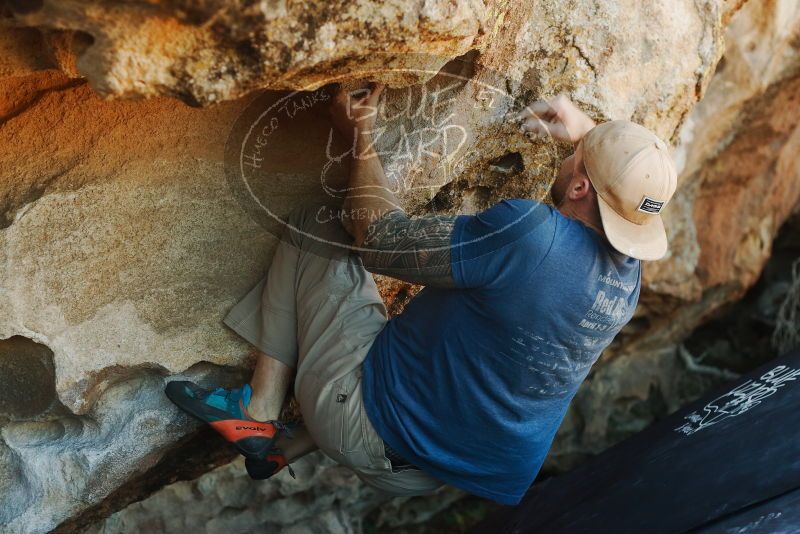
579	188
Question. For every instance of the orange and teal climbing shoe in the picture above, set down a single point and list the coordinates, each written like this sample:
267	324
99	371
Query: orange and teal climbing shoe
225	410
268	466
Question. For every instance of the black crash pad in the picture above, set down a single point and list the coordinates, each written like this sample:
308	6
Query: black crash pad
729	462
780	515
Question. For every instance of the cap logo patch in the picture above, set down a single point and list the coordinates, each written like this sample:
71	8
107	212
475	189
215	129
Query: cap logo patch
650	205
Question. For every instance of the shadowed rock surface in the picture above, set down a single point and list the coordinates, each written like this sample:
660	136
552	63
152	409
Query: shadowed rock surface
124	238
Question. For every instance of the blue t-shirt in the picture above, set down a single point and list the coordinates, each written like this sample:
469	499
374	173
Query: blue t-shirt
470	384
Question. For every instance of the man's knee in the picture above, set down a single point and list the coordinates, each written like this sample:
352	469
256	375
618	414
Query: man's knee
318	222
303	216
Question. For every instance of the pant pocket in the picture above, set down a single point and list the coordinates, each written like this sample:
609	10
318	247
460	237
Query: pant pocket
347	412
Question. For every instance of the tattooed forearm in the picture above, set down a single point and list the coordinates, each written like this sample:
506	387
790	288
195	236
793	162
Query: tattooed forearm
414	250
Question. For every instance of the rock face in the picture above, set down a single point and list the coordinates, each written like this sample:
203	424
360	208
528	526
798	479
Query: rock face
324	498
217	50
126	230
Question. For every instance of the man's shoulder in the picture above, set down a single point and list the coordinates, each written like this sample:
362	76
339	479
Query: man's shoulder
578	244
525	211
524	204
507	220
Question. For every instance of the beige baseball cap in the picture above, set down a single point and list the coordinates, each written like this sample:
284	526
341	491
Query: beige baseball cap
632	171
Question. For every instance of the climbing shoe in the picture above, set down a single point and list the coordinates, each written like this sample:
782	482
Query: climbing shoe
225	410
262	469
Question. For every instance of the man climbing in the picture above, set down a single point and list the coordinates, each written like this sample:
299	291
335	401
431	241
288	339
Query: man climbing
468	385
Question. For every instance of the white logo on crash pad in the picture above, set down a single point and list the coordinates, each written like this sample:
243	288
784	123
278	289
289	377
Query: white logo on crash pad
739	400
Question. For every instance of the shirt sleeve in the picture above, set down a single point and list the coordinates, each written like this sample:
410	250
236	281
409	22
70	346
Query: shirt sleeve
415	250
511	236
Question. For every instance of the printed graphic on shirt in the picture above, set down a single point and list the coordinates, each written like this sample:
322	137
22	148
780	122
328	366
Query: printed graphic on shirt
739	400
609	280
556	369
553	369
610	308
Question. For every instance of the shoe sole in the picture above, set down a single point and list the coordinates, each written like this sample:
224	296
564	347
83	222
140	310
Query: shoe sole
252	439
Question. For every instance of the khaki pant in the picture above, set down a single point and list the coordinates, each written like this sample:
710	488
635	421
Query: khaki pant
319	310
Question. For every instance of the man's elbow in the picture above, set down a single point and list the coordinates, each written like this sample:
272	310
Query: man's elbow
361	225
368	227
359	236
